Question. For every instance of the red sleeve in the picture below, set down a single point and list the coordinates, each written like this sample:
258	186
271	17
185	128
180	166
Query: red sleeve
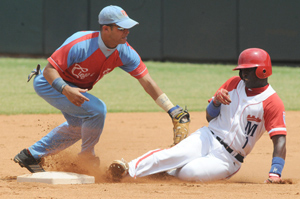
59	60
274	115
140	71
229	85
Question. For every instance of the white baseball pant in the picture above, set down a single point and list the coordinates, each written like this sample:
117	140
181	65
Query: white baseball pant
199	157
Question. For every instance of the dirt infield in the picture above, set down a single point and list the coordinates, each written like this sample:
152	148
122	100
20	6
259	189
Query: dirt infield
129	135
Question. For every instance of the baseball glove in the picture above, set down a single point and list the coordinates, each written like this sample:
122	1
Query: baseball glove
181	122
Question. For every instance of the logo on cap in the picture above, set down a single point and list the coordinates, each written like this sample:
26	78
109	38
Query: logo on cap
124	13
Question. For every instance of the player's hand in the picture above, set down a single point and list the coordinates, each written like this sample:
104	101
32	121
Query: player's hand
273	178
74	95
222	97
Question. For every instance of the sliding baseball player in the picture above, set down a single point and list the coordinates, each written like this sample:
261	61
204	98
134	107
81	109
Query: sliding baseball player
242	109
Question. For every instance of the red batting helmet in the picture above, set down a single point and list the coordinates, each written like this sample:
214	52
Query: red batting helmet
256	57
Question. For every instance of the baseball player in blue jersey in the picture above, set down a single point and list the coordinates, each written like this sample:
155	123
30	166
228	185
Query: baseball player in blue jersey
72	70
242	109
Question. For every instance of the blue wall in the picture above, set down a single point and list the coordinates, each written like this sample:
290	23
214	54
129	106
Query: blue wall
174	30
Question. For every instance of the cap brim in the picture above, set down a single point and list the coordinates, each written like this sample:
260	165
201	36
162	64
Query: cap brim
243	66
127	23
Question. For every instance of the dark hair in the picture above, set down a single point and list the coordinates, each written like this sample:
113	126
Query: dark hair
101	26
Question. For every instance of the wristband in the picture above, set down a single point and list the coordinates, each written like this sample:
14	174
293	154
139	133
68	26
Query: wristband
164	102
213	110
59	84
277	165
175	111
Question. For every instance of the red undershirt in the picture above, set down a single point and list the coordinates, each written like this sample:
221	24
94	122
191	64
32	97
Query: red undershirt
255	91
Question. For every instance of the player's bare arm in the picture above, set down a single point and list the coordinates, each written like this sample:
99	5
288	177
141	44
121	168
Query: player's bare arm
72	93
180	117
278	161
279	143
150	86
50	73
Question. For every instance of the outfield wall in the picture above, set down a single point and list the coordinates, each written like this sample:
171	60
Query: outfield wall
174	30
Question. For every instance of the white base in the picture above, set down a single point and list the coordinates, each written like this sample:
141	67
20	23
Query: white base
57	177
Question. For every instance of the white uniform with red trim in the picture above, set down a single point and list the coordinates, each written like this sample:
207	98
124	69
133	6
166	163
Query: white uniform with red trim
201	157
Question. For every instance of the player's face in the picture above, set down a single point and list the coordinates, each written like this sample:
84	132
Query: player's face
118	35
250	78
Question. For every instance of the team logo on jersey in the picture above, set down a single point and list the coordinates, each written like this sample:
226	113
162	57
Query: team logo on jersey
253	118
251	125
81	73
107	71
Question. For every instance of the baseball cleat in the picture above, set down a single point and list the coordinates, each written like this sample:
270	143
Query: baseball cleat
118	169
25	159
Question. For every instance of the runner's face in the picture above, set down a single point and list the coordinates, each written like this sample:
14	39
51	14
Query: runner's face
251	80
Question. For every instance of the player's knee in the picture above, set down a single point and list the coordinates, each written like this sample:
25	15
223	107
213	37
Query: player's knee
100	109
187	175
193	175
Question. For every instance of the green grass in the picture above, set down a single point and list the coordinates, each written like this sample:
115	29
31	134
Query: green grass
184	83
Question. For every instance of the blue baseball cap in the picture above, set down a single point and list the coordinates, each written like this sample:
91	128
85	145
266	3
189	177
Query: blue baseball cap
115	14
